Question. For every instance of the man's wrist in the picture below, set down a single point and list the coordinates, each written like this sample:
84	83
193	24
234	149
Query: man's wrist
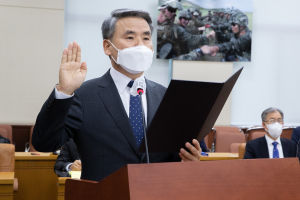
61	95
62	90
218	47
200	52
68	167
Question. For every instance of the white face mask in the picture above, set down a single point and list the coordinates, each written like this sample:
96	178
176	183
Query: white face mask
134	59
275	129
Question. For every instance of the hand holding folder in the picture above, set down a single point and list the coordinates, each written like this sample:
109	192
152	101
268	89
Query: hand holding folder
188	110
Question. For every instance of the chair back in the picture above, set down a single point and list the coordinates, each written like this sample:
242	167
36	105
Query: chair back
8	134
234	148
287	132
209	140
242	150
225	136
7	158
255	132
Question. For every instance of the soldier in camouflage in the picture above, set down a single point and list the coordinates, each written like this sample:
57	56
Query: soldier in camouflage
184	18
237	45
196	54
215	17
221	15
223	26
173	40
196	22
209	15
194	11
233	14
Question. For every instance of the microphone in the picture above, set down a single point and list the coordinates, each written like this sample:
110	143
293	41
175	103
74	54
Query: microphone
140	92
138	88
139	85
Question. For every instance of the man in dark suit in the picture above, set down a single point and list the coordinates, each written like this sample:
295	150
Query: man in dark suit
296	139
98	114
69	158
271	145
296	135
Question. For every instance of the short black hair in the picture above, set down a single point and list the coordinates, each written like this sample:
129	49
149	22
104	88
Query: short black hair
109	24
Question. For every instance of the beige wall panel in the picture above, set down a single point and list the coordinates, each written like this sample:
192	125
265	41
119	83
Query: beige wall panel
48	4
31	42
206	71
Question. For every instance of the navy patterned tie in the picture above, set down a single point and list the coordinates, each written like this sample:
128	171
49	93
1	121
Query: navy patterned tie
135	116
275	150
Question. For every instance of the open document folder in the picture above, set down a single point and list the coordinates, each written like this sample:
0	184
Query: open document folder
188	110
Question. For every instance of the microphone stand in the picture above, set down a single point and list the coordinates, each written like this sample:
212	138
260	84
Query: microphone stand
146	143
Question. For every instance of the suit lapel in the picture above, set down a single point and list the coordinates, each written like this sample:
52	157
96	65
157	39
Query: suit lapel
152	104
152	101
263	147
109	95
285	148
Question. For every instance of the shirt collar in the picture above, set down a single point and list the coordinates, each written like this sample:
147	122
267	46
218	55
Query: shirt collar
120	79
270	141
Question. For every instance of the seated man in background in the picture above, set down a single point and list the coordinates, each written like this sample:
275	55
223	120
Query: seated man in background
296	135
271	145
68	159
296	138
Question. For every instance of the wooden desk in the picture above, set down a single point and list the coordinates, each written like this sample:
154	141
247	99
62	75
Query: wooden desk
211	157
61	187
220	156
36	176
6	185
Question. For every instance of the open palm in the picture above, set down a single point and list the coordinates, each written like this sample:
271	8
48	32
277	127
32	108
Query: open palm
72	72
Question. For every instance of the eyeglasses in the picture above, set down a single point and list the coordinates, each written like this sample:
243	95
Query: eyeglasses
272	121
171	10
186	19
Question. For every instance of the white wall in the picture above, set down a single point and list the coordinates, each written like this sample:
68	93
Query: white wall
271	79
31	39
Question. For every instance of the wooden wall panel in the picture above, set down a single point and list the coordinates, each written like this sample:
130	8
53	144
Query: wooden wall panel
21	135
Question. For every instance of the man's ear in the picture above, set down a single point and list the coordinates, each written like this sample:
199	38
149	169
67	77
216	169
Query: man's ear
264	125
106	47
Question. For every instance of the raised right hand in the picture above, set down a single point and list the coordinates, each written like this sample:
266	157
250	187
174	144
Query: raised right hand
72	72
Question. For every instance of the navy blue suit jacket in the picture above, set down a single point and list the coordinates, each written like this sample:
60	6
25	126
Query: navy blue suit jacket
296	135
296	138
97	121
68	154
258	148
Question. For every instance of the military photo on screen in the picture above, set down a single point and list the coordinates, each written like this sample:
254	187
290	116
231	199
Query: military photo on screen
205	30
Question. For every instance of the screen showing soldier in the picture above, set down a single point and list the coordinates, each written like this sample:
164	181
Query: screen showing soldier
204	31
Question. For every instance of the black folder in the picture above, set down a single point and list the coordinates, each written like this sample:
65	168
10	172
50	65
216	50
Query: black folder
188	110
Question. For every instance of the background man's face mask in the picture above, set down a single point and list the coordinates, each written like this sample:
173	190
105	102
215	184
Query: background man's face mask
134	59
275	129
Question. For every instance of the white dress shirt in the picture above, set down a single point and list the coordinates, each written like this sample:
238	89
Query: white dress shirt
271	146
68	167
121	82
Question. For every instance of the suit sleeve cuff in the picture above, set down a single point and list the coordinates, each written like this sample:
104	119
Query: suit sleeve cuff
61	95
68	167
